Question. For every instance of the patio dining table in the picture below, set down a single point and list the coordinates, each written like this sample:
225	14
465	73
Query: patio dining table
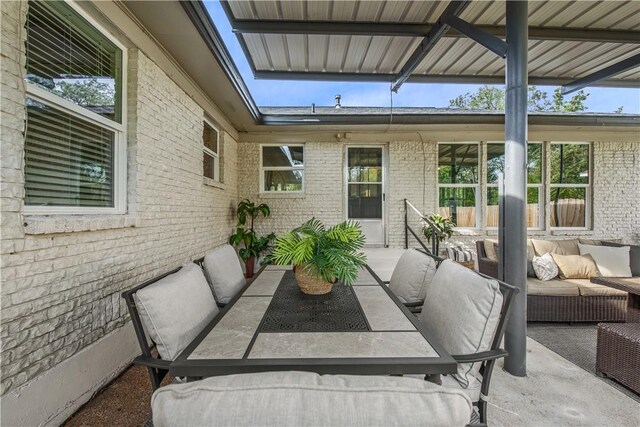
270	325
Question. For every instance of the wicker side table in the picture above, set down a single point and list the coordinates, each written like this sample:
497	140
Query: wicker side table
618	353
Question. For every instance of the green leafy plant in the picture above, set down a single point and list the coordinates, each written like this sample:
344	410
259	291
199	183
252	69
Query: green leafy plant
437	227
330	253
253	245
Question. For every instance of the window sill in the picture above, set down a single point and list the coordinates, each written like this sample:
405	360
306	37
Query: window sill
52	224
282	195
213	183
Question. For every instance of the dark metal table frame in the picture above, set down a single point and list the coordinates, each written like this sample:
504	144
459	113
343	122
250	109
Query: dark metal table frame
633	300
195	369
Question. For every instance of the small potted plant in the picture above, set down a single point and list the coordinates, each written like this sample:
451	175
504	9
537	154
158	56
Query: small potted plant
438	228
321	256
253	245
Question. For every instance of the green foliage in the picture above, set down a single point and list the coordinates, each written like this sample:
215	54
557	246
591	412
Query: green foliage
253	245
444	227
332	254
87	93
493	98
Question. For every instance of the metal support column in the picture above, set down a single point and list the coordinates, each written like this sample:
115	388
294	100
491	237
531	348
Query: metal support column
513	261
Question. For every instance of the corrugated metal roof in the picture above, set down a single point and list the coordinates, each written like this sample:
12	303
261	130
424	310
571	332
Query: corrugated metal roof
556	58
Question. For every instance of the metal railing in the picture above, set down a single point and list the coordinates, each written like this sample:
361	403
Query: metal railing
435	232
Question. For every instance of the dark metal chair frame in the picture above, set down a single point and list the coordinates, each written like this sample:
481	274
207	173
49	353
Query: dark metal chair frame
486	358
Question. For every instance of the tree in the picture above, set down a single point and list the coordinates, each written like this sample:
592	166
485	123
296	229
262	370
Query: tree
87	93
493	98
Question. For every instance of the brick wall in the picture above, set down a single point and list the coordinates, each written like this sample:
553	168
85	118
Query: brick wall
413	175
62	276
323	197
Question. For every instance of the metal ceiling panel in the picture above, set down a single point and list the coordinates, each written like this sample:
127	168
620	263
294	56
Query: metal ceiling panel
386	54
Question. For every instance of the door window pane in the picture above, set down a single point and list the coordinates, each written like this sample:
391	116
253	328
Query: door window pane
568	207
365	164
68	161
70	58
365	201
458	204
458	163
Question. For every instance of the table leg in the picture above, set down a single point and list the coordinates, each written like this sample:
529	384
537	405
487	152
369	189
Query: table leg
633	308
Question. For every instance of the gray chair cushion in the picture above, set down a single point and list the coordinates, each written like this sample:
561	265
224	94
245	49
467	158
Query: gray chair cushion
175	309
462	312
225	273
412	276
308	399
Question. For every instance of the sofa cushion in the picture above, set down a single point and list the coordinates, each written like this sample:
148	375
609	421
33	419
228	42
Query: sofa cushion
611	261
175	309
490	249
553	287
462	311
224	272
562	247
575	266
588	289
545	267
634	255
598	242
530	255
412	276
308	399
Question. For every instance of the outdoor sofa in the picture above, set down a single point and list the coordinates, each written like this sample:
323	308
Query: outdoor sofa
561	300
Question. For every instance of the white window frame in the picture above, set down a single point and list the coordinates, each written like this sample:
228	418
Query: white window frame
587	187
209	152
477	185
264	169
539	186
120	141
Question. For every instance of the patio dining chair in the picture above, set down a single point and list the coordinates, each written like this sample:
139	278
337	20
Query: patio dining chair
223	270
412	277
168	312
467	313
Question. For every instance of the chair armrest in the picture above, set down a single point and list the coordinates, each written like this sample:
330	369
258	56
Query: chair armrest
482	356
488	266
414	307
152	362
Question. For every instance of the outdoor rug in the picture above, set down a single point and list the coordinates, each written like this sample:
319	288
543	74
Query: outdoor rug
576	343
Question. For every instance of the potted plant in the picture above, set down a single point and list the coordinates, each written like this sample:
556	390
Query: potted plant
438	228
321	256
253	245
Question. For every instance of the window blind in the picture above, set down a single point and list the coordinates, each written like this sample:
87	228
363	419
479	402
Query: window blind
69	57
68	161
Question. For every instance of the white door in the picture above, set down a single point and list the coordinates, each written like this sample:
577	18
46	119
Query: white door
364	180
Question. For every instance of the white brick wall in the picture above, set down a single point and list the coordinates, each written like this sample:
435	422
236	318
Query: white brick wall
323	197
413	175
62	276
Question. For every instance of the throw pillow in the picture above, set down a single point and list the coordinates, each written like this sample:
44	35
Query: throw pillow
611	261
530	271
545	267
562	247
634	255
458	253
489	250
576	266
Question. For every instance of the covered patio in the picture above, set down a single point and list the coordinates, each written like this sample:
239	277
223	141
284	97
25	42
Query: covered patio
163	166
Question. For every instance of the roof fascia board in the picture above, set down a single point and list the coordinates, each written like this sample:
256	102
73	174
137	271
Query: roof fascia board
605	73
462	118
200	18
255	26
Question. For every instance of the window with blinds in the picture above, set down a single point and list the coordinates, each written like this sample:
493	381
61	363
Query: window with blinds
74	161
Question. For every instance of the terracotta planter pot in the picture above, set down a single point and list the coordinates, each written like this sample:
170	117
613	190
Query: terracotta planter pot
310	284
249	264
